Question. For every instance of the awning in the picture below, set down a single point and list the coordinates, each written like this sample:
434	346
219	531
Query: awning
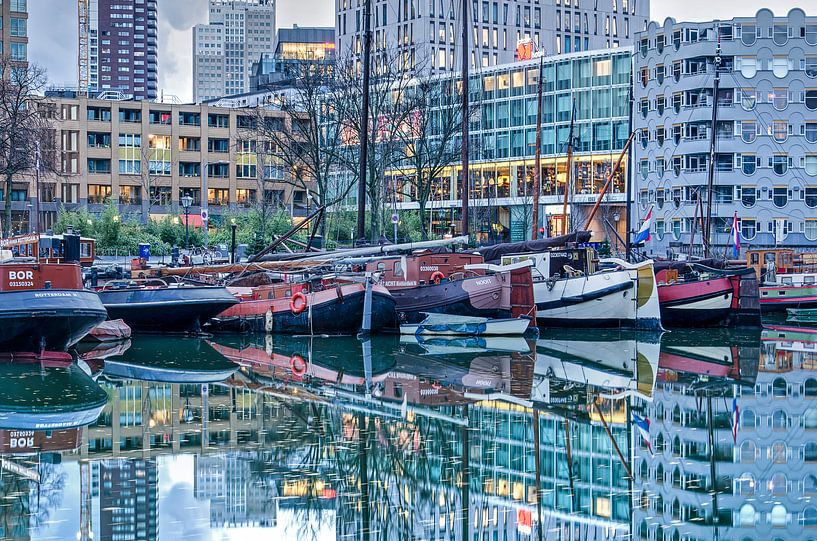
195	220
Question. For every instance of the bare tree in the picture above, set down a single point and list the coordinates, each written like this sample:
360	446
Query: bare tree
391	109
303	140
22	126
431	143
150	180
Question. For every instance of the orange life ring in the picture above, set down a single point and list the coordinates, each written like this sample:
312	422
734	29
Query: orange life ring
437	277
297	303
298	365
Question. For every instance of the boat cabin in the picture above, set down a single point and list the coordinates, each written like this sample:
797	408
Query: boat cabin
770	263
49	248
564	263
424	268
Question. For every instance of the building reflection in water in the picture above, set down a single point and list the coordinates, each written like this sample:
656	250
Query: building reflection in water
460	440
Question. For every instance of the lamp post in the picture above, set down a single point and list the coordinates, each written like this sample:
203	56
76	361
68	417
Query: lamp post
186	201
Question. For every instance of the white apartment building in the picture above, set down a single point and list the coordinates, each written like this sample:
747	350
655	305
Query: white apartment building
238	32
426	34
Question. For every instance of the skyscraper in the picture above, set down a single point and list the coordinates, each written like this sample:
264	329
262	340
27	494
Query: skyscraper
224	50
14	33
422	35
128	500
124	47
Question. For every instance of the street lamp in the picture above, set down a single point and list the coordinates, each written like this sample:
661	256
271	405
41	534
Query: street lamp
186	201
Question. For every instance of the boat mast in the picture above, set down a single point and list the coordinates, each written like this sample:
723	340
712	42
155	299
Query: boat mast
569	167
712	141
537	160
465	184
629	181
364	121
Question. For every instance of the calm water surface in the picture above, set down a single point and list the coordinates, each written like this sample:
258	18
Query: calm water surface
254	437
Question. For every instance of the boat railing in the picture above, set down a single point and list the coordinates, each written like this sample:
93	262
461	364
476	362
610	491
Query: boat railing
134	283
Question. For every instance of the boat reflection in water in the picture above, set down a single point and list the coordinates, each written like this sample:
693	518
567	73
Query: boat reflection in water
389	438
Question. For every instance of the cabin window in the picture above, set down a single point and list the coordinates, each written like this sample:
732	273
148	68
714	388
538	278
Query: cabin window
809	279
398	269
786	280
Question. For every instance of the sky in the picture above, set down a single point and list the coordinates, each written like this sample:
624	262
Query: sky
53	33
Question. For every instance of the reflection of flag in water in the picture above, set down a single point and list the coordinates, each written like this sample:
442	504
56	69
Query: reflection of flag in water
735	419
643	234
643	427
735	235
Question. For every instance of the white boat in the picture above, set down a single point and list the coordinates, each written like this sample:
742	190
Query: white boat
451	325
569	291
456	345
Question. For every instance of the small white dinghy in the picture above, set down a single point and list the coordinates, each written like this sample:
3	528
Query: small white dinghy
449	325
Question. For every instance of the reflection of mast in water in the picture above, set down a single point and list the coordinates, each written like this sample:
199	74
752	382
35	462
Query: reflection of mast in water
85	510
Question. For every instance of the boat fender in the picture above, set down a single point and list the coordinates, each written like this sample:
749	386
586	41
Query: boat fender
269	321
298	365
437	277
297	303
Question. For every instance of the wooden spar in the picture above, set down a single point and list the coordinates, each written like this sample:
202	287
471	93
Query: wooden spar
310	260
465	186
569	167
609	181
537	159
613	440
285	236
364	121
694	225
712	144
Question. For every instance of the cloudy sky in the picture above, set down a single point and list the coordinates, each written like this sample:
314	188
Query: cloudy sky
53	33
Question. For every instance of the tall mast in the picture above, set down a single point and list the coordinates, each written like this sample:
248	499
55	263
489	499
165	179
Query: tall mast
569	167
629	181
465	184
537	160
364	121
712	140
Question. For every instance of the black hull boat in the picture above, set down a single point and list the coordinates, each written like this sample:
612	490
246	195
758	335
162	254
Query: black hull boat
47	320
163	308
328	311
450	298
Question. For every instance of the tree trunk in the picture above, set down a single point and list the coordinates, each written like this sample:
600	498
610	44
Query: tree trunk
423	225
7	209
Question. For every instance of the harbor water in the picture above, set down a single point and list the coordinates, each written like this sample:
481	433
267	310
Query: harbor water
690	434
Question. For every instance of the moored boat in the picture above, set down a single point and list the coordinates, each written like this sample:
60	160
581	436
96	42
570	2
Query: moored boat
448	325
156	305
802	315
327	306
695	295
43	306
572	288
455	284
794	290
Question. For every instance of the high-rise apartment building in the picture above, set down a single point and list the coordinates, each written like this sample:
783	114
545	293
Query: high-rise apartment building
14	30
129	500
764	169
124	47
238	33
426	34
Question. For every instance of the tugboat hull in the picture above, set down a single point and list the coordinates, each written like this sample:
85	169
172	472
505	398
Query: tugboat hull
329	313
52	319
172	309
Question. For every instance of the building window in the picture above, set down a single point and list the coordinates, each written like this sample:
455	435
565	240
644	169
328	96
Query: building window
810	229
748	131
245	197
748	164
747	66
780	66
160	117
780	34
748	196
780	164
19	5
780	130
810	66
748	228
18	52
811	99
218	196
779	98
810	132
18	27
99	165
130	195
810	163
748	34
780	196
161	196
98	194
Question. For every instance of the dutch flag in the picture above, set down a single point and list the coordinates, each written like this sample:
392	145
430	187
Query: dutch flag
735	236
643	234
643	426
735	419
